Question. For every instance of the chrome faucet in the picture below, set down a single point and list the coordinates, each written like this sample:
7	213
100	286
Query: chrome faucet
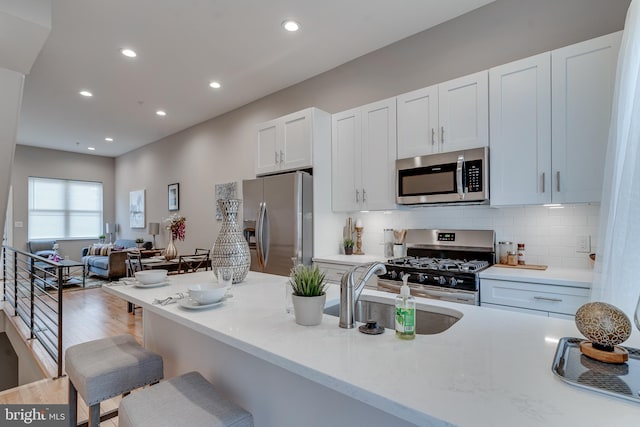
350	292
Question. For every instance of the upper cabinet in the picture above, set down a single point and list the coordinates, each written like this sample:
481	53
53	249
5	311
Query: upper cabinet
363	154
286	143
550	117
445	117
582	80
520	109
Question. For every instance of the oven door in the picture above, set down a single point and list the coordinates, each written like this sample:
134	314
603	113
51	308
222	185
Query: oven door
432	292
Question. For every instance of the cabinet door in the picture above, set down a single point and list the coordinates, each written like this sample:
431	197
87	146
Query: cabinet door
464	112
520	106
418	122
296	148
378	155
346	130
267	156
583	78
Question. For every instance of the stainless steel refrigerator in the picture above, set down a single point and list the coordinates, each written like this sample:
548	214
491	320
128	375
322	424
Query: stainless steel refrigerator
278	221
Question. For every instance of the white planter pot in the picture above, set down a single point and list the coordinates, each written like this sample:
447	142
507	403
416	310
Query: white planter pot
308	310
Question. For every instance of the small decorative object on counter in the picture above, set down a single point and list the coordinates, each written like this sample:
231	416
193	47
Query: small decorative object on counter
521	254
348	246
359	229
503	252
399	246
231	248
512	258
139	242
308	286
605	326
405	312
388	242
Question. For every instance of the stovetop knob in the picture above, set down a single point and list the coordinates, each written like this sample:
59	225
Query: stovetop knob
394	274
442	280
421	278
453	282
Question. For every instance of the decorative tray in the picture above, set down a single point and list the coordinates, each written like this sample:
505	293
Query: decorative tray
617	380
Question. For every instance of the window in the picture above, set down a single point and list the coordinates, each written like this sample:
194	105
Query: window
63	209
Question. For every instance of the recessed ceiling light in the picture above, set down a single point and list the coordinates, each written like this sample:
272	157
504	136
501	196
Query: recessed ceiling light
290	25
214	85
85	93
161	113
129	53
91	148
108	139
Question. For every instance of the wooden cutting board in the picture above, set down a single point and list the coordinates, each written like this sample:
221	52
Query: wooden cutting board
523	266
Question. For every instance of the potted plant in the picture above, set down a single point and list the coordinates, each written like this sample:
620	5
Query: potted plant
101	238
139	241
308	286
348	246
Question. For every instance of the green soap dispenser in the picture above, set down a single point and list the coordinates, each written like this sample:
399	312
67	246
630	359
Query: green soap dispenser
405	312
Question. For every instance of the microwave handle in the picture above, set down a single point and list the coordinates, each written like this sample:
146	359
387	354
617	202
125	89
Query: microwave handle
459	175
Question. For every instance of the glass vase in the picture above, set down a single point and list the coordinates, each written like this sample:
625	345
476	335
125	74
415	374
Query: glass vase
171	251
231	249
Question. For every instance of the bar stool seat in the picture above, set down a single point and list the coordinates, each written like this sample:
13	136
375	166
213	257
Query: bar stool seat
186	400
108	367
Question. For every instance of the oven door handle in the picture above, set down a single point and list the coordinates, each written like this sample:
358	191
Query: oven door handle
444	294
459	176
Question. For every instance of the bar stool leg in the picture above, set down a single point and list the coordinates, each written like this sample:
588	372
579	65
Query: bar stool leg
94	415
73	405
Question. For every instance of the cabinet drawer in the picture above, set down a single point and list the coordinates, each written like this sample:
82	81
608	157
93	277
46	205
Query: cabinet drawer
534	296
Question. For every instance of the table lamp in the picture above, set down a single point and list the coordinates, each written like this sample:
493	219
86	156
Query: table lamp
154	229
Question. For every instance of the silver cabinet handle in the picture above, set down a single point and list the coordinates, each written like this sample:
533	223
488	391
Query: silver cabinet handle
364	195
281	156
558	181
357	196
548	299
276	154
542	182
442	134
433	136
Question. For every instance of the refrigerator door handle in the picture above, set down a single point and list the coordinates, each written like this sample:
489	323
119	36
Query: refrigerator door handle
259	228
264	235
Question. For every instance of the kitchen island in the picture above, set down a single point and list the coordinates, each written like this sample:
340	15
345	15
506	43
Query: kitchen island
491	368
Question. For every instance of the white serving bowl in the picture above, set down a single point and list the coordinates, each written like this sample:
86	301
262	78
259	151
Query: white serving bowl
206	293
150	277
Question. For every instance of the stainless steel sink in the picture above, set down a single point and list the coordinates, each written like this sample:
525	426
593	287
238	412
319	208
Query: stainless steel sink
431	320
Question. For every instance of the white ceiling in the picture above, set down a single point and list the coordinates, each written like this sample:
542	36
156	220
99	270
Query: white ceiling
182	46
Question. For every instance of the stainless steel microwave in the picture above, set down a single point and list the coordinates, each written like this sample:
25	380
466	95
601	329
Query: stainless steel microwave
454	177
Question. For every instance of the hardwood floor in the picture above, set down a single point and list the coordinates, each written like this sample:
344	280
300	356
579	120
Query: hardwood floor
87	315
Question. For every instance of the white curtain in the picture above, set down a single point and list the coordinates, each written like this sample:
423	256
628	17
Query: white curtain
617	270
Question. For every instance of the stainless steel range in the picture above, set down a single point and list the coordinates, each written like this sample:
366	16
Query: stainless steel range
442	264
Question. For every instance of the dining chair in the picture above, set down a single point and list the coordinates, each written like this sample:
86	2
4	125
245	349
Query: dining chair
192	263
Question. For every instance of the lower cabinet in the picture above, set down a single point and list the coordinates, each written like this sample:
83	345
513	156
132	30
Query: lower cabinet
535	298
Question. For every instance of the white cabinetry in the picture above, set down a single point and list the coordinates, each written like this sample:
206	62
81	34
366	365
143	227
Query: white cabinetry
535	298
286	143
363	144
582	79
549	124
520	110
446	117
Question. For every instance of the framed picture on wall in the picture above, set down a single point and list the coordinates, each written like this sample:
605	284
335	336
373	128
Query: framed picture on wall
174	197
136	209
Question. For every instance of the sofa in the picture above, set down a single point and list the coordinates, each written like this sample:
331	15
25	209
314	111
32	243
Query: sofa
110	261
43	248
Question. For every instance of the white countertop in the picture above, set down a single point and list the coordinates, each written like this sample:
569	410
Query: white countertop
552	275
350	259
492	368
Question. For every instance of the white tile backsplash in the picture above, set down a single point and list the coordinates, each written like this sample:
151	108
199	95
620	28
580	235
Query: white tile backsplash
549	234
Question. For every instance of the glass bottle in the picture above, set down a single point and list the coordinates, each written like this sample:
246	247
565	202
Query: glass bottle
521	254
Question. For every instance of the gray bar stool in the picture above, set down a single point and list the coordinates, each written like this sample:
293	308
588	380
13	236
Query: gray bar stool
186	400
108	367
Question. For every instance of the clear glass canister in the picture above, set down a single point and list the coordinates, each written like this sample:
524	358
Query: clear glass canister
503	251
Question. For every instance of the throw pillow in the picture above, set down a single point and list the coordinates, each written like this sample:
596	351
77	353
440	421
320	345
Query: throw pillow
101	250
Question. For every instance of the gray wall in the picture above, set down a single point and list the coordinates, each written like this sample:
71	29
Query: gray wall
222	149
41	162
